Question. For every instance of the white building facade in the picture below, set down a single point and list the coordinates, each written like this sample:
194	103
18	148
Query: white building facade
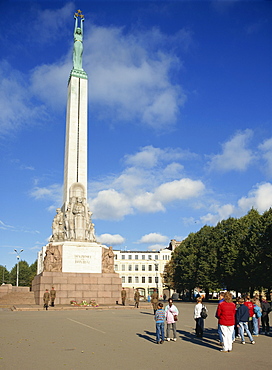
142	270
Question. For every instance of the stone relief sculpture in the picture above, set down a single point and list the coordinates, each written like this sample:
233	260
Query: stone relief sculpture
78	41
108	260
52	260
75	224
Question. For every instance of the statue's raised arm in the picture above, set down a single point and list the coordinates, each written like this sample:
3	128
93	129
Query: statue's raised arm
78	41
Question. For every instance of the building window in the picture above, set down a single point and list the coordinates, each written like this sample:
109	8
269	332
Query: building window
129	267
149	267
123	256
149	279
115	267
143	279
156	267
136	267
143	267
115	256
123	267
130	279
136	279
143	257
156	257
123	279
149	257
129	256
156	279
136	256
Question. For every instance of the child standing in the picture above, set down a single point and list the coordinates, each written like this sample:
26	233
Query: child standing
159	318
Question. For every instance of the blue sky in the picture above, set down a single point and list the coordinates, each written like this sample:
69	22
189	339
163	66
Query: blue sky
179	117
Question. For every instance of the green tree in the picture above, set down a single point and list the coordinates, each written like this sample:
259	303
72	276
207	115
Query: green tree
4	275
33	272
24	274
265	259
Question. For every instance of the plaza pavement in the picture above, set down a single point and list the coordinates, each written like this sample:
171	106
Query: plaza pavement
117	338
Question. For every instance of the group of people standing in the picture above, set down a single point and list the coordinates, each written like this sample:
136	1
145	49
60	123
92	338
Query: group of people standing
170	315
244	316
49	297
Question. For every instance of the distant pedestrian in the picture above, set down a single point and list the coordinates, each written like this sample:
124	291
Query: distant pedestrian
137	298
250	306
52	296
198	318
154	300
164	297
242	316
123	296
46	298
266	309
159	318
257	316
226	315
171	314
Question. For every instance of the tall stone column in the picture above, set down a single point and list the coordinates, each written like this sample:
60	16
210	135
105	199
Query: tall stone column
75	166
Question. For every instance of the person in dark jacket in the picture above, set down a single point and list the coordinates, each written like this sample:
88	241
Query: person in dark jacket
242	316
266	308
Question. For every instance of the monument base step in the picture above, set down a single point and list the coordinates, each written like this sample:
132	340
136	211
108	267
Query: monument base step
103	288
17	298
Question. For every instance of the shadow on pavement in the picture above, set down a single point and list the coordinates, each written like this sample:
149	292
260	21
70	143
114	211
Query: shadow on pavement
208	340
147	313
147	336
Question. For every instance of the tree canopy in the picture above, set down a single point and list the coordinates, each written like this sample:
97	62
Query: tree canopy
236	254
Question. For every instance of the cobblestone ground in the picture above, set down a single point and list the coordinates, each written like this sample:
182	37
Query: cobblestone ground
117	339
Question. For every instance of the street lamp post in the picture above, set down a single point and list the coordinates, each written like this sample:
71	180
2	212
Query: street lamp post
3	279
156	277
18	259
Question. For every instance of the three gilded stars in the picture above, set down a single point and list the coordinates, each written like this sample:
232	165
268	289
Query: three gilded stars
79	14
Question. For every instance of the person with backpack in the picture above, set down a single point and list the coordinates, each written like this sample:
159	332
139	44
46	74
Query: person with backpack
200	313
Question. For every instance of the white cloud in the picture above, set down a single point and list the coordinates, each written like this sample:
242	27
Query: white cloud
235	155
147	203
260	198
110	239
52	192
150	156
156	247
16	106
153	238
222	213
266	148
179	190
110	204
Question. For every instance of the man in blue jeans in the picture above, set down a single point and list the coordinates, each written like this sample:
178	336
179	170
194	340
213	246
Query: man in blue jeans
242	316
160	318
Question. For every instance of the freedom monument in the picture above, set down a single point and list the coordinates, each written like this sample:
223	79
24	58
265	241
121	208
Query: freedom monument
73	261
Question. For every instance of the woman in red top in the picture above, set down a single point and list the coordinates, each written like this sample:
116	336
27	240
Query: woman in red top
226	315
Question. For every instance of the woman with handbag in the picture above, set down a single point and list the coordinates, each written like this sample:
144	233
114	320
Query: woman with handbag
171	314
198	317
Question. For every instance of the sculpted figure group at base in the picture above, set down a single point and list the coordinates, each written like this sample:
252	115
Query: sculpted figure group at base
52	260
75	224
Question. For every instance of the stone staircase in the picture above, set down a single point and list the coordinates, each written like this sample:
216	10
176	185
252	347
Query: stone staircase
17	298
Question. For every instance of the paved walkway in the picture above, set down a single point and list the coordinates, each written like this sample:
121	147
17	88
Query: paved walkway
123	338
